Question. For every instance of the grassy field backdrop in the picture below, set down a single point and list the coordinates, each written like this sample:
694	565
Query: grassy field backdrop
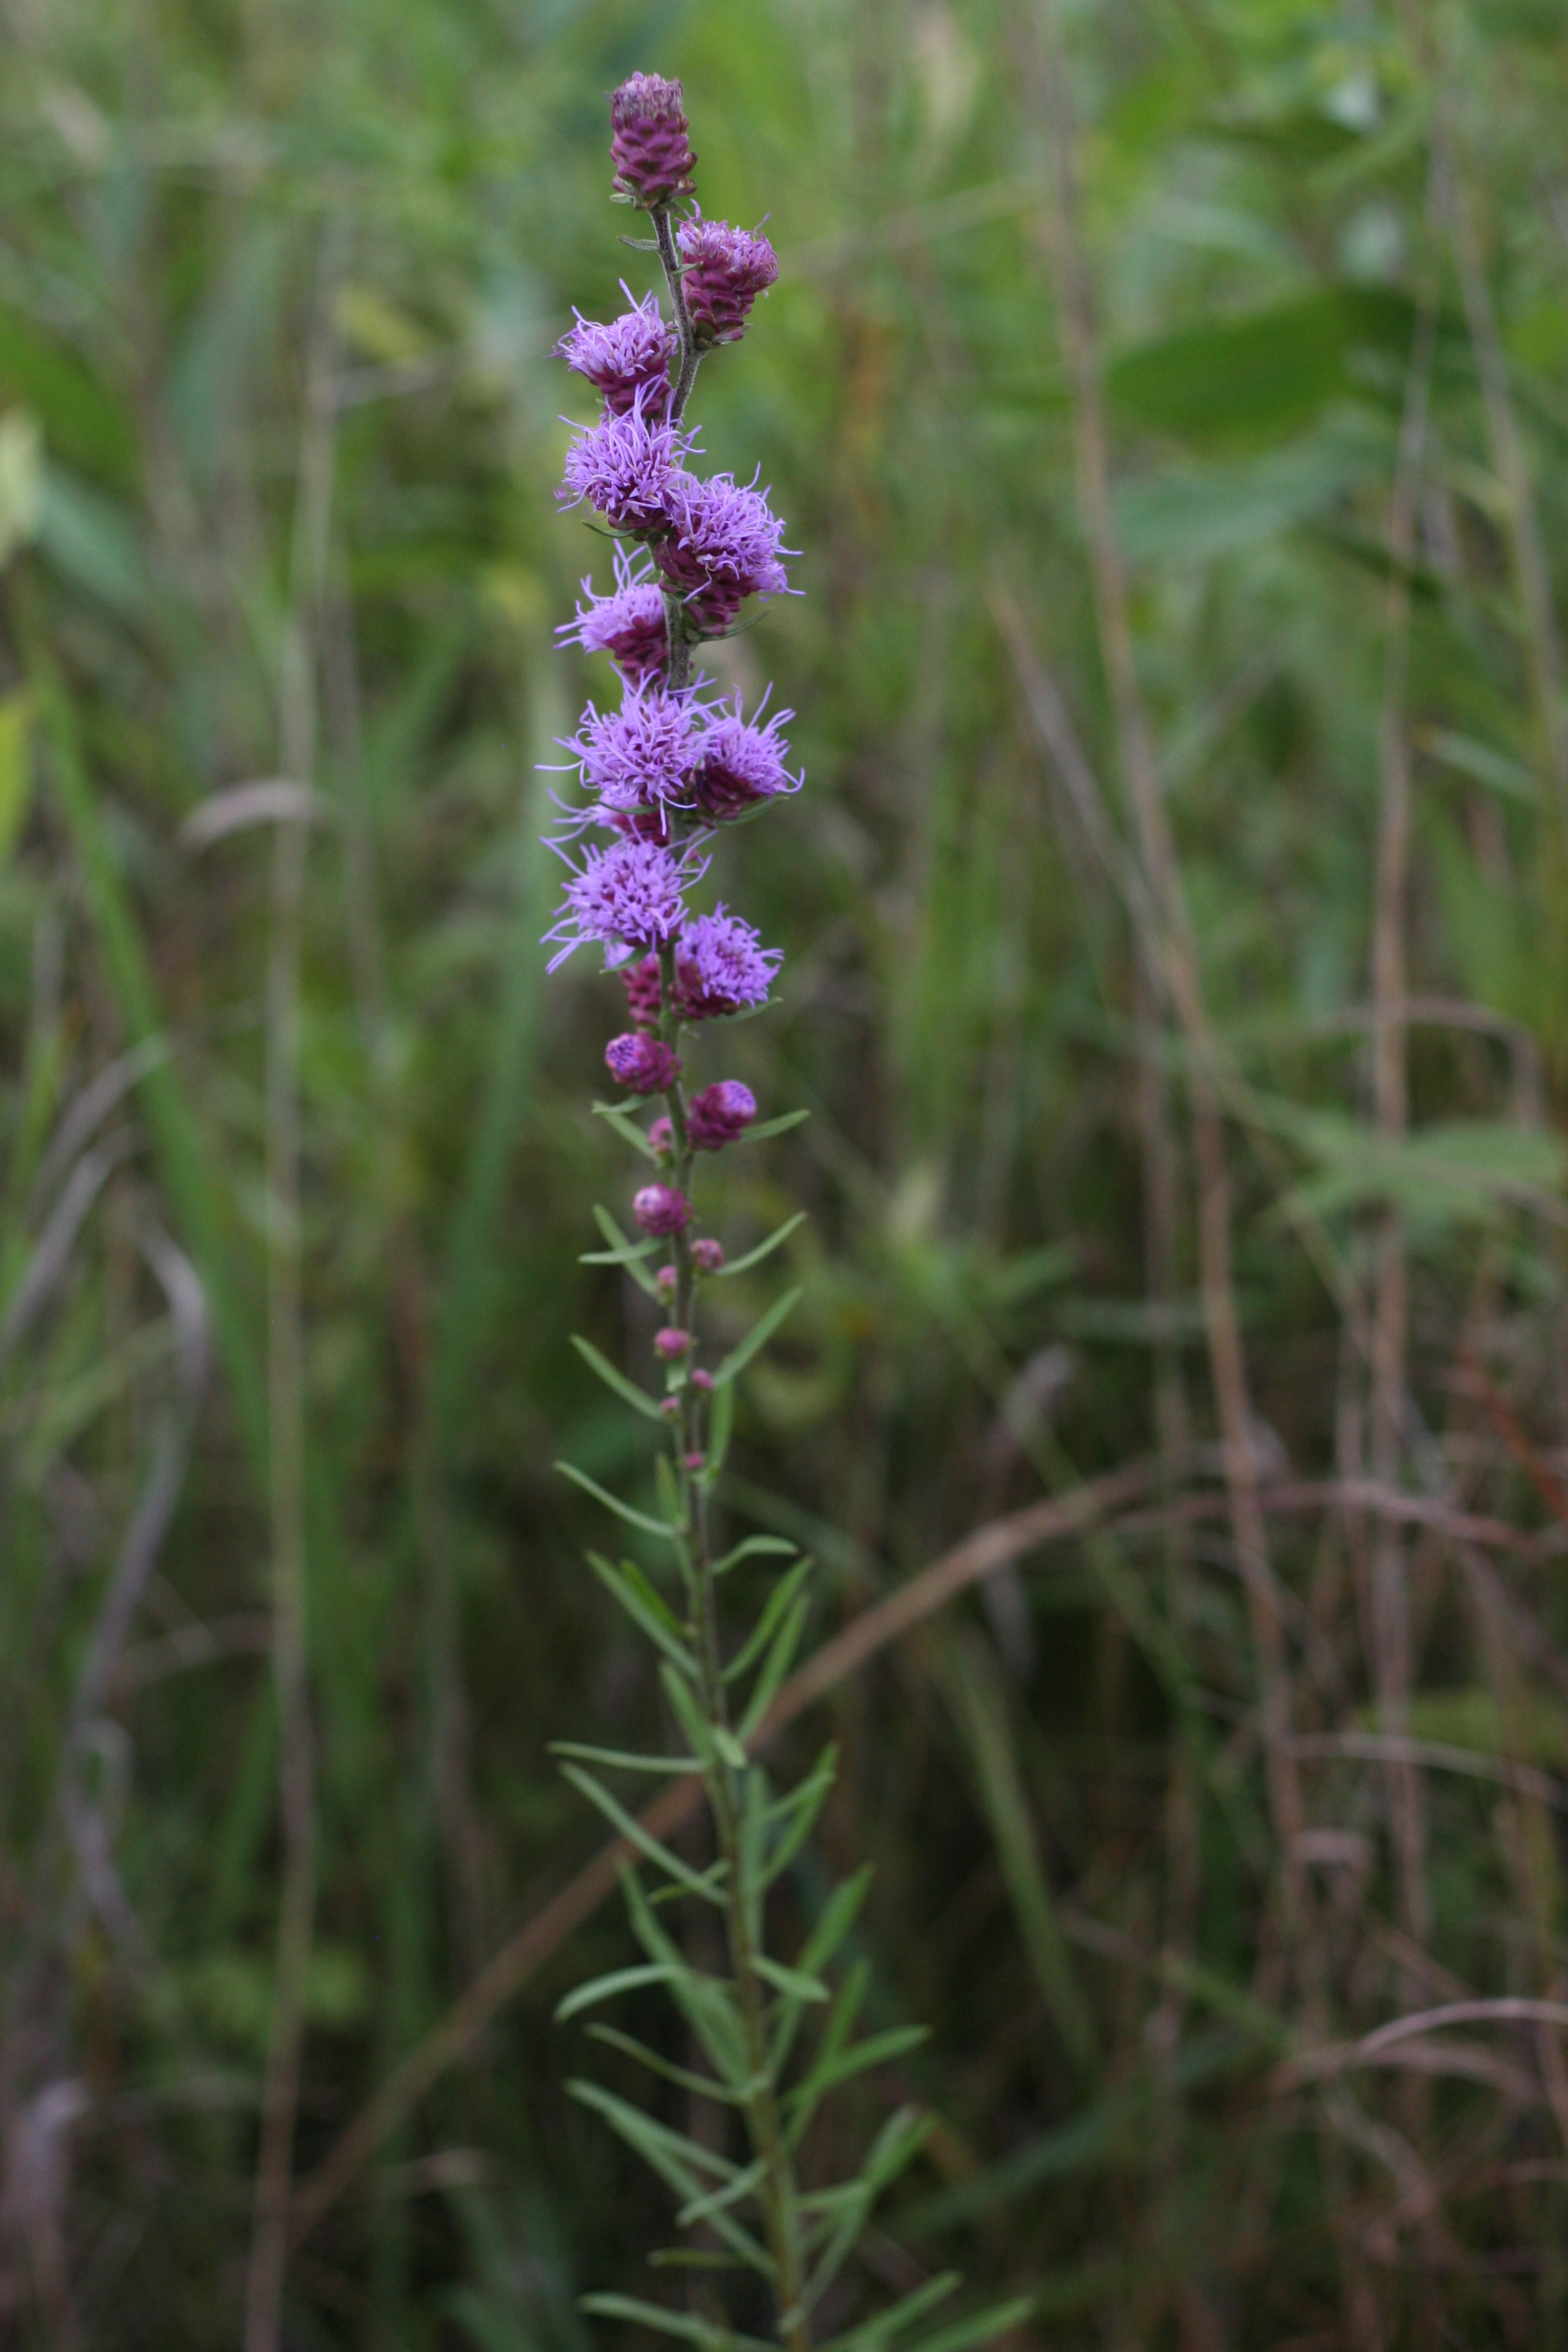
1170	401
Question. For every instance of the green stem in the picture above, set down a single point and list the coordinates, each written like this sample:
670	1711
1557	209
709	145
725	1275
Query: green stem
777	2194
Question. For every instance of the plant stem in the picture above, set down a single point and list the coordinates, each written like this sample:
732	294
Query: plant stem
776	2193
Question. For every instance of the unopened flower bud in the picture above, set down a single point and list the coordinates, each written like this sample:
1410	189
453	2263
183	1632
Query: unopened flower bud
645	990
665	1277
672	1343
708	1255
661	1135
670	1408
649	146
643	1063
701	1379
725	271
720	1113
695	1461
660	1209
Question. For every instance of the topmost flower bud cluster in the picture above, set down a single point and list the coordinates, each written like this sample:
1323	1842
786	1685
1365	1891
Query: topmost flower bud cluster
650	144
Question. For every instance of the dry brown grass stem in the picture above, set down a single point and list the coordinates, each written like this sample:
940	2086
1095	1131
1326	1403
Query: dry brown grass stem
989	1548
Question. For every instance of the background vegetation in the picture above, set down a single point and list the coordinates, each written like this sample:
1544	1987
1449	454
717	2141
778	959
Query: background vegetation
1169	401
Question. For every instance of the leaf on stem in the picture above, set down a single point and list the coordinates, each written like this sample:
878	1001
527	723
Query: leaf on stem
871	2333
625	1252
764	1249
604	1987
755	1548
622	1759
637	1398
708	2086
774	1667
649	1525
706	2332
626	1126
759	1334
694	1881
778	1601
645	1607
780	1126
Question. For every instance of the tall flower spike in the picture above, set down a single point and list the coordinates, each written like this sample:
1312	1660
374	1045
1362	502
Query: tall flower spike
725	271
628	624
648	144
629	357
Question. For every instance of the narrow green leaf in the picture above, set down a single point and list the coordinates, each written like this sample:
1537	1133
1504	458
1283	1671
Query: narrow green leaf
877	2050
627	1253
644	1607
896	2317
713	2338
793	1981
838	1914
721	1422
612	1503
604	1987
774	1667
778	1601
759	1334
800	1811
637	1398
626	1126
982	2327
780	1126
622	1759
630	1828
718	2200
677	2160
764	1249
708	2085
755	1548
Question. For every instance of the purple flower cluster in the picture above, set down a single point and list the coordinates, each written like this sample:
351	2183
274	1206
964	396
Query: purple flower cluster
674	759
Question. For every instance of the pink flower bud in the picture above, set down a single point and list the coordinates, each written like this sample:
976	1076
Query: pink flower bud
645	990
661	1135
641	1063
672	1343
720	1113
701	1379
695	1461
660	1209
670	1408
708	1255
665	1277
650	147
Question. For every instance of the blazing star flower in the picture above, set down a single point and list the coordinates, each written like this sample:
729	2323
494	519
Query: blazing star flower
707	1256
638	757
642	1063
721	967
722	545
628	624
623	467
660	1209
628	897
740	764
720	1114
628	357
650	147
726	269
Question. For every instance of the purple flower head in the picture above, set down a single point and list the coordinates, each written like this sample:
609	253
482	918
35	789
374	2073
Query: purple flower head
708	1255
726	269
628	357
661	1136
628	624
648	145
723	545
640	756
740	763
720	1113
645	990
624	466
660	1209
672	1343
627	896
721	967
641	1063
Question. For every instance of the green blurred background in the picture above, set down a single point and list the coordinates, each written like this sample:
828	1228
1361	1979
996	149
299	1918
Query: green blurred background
278	437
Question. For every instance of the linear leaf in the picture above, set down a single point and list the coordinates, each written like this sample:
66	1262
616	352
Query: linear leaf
780	1126
637	1398
613	1503
759	1334
721	1422
644	1607
762	1632
755	1548
896	2317
622	1759
616	1115
705	2332
875	2051
702	2209
775	1665
625	1252
793	1981
633	1830
708	2086
645	1972
997	2319
677	2160
764	1249
800	1811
